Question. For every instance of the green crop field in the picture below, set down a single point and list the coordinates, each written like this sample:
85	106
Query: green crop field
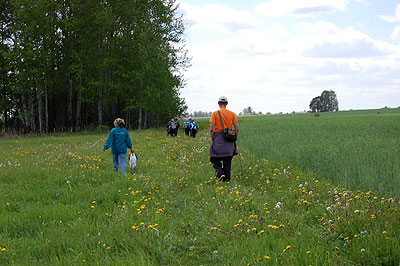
61	204
360	149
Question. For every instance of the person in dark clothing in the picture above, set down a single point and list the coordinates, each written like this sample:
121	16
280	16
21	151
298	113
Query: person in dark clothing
186	126
193	128
221	150
173	127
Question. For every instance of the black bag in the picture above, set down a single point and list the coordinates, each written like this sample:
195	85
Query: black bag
229	134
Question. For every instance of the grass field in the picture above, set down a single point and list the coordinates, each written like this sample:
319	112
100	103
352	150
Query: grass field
360	149
61	204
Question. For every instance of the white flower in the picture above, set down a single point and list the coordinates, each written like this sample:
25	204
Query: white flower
356	211
363	250
328	208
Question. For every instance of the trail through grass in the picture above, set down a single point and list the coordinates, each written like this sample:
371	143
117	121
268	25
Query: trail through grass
61	204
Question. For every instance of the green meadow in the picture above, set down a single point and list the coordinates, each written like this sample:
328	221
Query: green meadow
61	203
360	149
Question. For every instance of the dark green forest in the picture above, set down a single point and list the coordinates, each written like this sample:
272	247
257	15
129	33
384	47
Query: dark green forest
72	64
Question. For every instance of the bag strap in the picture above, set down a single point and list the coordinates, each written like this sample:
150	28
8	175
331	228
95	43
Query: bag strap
221	119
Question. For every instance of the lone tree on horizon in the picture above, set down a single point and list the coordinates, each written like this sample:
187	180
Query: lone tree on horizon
327	102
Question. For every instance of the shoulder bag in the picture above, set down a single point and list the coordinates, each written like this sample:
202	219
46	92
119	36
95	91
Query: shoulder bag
229	134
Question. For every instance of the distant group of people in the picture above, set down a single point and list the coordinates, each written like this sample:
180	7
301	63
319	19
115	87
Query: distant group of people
172	127
222	148
189	126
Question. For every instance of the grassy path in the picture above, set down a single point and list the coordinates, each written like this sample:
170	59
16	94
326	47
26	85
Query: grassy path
61	204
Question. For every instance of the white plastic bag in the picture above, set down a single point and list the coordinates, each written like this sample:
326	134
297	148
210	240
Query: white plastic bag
132	161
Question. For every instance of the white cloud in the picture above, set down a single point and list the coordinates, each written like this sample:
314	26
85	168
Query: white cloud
395	36
218	16
300	8
326	40
393	19
281	67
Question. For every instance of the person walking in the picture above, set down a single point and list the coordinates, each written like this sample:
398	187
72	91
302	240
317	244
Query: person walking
186	126
222	150
194	128
119	140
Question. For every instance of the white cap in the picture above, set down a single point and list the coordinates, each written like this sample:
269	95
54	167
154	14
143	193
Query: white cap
223	99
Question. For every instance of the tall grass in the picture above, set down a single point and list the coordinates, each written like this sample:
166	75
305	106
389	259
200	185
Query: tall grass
61	204
356	149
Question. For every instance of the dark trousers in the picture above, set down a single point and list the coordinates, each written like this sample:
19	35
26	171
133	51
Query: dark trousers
193	132
222	166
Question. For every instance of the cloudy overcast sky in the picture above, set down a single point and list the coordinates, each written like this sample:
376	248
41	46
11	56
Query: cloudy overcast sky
276	55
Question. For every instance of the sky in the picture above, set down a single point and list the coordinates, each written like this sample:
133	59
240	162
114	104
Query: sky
276	55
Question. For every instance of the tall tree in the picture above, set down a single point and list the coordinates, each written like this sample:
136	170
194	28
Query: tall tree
70	63
327	102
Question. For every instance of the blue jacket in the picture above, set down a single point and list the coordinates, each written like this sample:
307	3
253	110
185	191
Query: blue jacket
193	125
118	140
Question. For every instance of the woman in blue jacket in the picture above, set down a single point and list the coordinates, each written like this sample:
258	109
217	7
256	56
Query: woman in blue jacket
119	141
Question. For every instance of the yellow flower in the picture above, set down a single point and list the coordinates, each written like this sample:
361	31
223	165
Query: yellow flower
266	257
92	207
308	252
384	232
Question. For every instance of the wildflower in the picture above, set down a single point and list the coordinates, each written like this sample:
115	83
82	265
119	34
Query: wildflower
363	250
355	236
266	257
308	252
287	247
384	232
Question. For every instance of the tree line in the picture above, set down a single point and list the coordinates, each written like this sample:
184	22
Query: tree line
68	64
